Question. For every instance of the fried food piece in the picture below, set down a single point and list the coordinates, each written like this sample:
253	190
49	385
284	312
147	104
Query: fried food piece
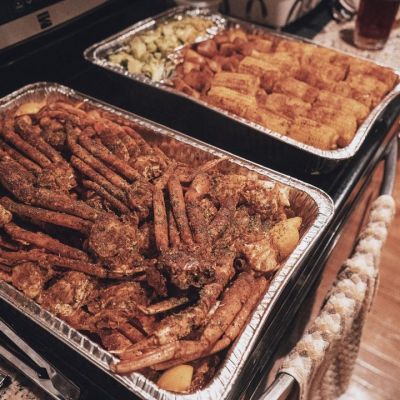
349	106
344	123
268	119
313	133
296	88
286	105
242	83
230	100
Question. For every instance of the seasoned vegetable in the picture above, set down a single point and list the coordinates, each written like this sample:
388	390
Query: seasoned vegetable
148	52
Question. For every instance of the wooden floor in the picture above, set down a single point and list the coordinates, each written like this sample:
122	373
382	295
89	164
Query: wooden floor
377	372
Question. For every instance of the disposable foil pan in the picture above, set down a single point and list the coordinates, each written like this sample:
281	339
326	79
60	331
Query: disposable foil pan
311	158
312	204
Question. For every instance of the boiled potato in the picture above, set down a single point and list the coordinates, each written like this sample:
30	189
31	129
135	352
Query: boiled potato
176	379
285	236
30	107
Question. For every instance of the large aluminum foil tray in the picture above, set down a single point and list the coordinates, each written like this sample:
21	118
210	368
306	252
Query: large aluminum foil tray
317	160
313	205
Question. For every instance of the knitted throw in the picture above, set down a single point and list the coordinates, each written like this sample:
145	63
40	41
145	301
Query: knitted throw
323	360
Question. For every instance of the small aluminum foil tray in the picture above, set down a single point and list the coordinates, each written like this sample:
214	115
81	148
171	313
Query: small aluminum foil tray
313	159
312	204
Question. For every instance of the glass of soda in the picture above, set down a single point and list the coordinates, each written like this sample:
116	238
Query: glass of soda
374	22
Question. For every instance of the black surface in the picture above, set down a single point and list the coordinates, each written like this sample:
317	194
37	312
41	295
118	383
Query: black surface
58	57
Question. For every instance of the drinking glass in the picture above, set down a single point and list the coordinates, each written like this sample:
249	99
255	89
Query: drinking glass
374	22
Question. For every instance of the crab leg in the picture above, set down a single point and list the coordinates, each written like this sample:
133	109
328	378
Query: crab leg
44	241
207	166
222	219
173	230
118	205
41	215
76	265
25	147
97	165
163	180
162	306
100	151
26	131
87	170
229	307
179	210
17	182
173	327
198	189
23	161
160	220
232	332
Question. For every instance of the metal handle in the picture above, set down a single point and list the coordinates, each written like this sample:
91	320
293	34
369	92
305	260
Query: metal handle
18	353
283	385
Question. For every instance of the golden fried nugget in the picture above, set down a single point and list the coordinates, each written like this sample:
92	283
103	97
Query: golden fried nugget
336	101
344	124
256	67
296	88
268	119
242	83
230	100
345	89
287	105
295	47
385	75
313	133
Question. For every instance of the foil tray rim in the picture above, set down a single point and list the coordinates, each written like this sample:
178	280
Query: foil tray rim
91	54
225	378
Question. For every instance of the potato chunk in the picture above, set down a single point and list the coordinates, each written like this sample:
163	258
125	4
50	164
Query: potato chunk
176	379
285	236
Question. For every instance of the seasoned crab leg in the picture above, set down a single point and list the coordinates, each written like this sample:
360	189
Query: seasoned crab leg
160	220
44	241
18	157
118	205
105	155
173	230
76	265
87	170
40	215
9	134
18	184
229	307
222	219
179	210
162	306
85	156
181	324
25	129
198	189
259	288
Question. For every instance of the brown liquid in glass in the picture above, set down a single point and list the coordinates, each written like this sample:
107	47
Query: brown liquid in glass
375	19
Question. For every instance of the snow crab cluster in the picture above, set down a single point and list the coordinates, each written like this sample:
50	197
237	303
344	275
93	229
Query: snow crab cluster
160	261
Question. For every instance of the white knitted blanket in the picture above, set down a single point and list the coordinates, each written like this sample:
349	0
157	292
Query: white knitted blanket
322	362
